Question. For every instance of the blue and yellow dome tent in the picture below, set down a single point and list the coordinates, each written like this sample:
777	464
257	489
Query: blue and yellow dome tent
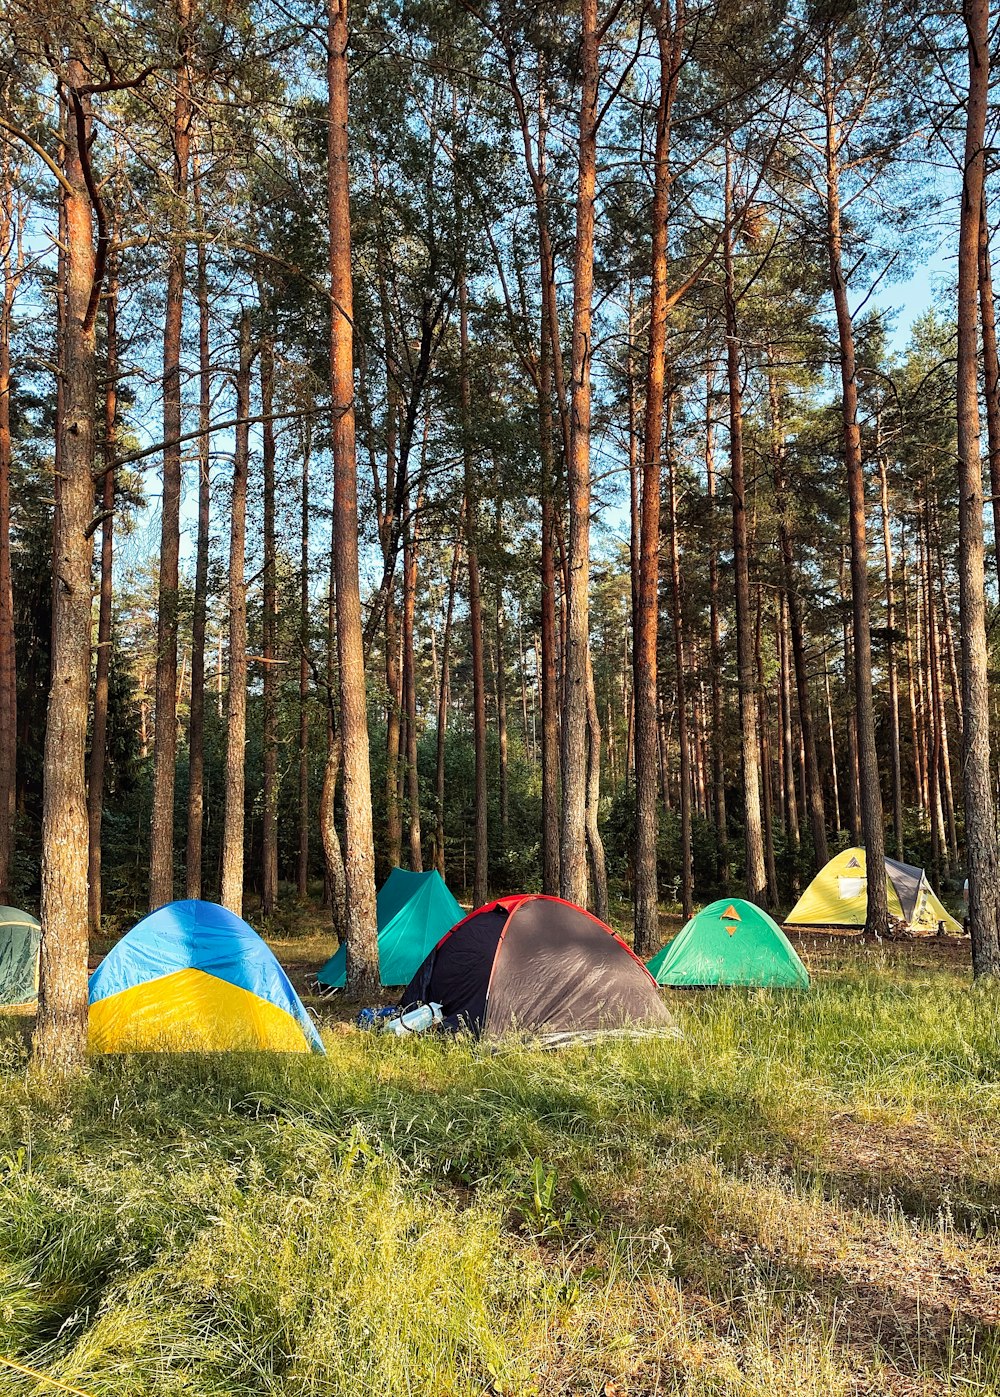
414	911
193	977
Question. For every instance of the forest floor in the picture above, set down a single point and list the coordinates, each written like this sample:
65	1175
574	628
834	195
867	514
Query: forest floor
801	1196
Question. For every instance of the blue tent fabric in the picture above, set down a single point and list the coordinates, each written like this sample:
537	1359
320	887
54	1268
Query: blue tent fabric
414	911
199	936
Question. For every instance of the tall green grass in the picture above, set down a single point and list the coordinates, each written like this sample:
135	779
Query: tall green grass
431	1217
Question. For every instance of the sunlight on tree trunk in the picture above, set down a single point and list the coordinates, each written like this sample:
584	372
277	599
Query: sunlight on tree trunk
359	853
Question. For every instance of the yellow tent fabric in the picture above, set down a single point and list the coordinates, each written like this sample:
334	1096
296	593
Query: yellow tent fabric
191	1012
193	977
838	896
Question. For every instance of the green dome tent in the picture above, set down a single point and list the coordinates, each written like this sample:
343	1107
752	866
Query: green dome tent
19	938
414	912
730	943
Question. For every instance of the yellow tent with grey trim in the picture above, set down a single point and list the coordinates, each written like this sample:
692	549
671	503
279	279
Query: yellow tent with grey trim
838	896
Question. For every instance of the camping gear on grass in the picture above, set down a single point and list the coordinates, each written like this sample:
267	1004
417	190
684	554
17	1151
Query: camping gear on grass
193	977
537	965
20	936
414	911
730	942
417	1020
838	896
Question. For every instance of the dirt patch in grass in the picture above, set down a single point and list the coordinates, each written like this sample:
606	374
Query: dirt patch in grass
912	1166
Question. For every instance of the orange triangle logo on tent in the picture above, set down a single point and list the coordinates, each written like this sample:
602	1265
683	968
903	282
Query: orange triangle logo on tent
731	914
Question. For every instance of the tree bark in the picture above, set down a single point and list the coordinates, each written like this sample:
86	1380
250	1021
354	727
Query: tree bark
595	845
646	605
11	231
756	876
332	851
359	858
767	801
480	877
393	675
788	740
393	732
814	788
911	688
500	675
573	852
853	794
715	653
877	920
161	856
683	737
302	870
61	1025
833	746
199	619
234	817
547	677
891	665
410	545
269	622
442	712
99	726
991	370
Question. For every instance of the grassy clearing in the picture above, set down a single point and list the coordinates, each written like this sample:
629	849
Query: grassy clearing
800	1197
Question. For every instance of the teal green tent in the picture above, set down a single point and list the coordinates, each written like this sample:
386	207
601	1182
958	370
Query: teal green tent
730	943
19	938
414	912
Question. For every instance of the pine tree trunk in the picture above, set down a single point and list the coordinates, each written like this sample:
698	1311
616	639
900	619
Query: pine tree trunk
991	371
853	794
61	1025
595	845
480	877
359	858
683	739
787	739
196	720
814	788
302	871
646	606
936	566
393	669
410	544
442	711
11	230
332	851
833	747
234	817
269	623
877	921
547	677
918	748
393	732
500	676
715	652
756	875
161	856
99	726
891	666
573	849
765	760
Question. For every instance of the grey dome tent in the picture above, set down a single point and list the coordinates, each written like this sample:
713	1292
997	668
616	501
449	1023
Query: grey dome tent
538	965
